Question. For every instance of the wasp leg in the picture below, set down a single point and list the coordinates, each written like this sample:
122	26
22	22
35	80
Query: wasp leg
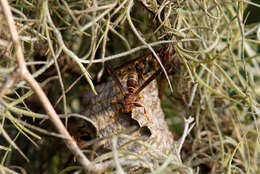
79	143
142	76
74	157
140	69
116	102
140	96
124	76
140	105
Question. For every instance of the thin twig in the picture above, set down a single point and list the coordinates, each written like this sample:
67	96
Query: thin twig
115	56
116	159
144	42
66	50
186	131
25	74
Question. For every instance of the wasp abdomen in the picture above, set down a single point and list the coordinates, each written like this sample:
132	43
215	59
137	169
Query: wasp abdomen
132	81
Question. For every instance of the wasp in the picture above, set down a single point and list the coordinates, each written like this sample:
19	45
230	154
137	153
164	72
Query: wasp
129	101
139	66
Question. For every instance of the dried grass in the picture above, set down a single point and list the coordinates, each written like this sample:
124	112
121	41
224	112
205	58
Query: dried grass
214	54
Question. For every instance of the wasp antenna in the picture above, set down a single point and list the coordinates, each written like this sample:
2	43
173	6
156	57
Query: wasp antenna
118	83
151	78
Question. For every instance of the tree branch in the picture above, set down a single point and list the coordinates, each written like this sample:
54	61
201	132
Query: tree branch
26	75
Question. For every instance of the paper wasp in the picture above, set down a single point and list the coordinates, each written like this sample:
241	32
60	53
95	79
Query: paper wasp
129	101
140	65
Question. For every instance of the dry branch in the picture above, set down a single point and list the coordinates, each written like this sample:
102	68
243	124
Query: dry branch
25	75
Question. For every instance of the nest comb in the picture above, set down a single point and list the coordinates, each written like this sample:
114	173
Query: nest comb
103	123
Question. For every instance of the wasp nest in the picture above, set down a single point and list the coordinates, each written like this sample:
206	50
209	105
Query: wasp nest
135	132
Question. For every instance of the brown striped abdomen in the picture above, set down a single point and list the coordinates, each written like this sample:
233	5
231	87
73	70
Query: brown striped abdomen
132	81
